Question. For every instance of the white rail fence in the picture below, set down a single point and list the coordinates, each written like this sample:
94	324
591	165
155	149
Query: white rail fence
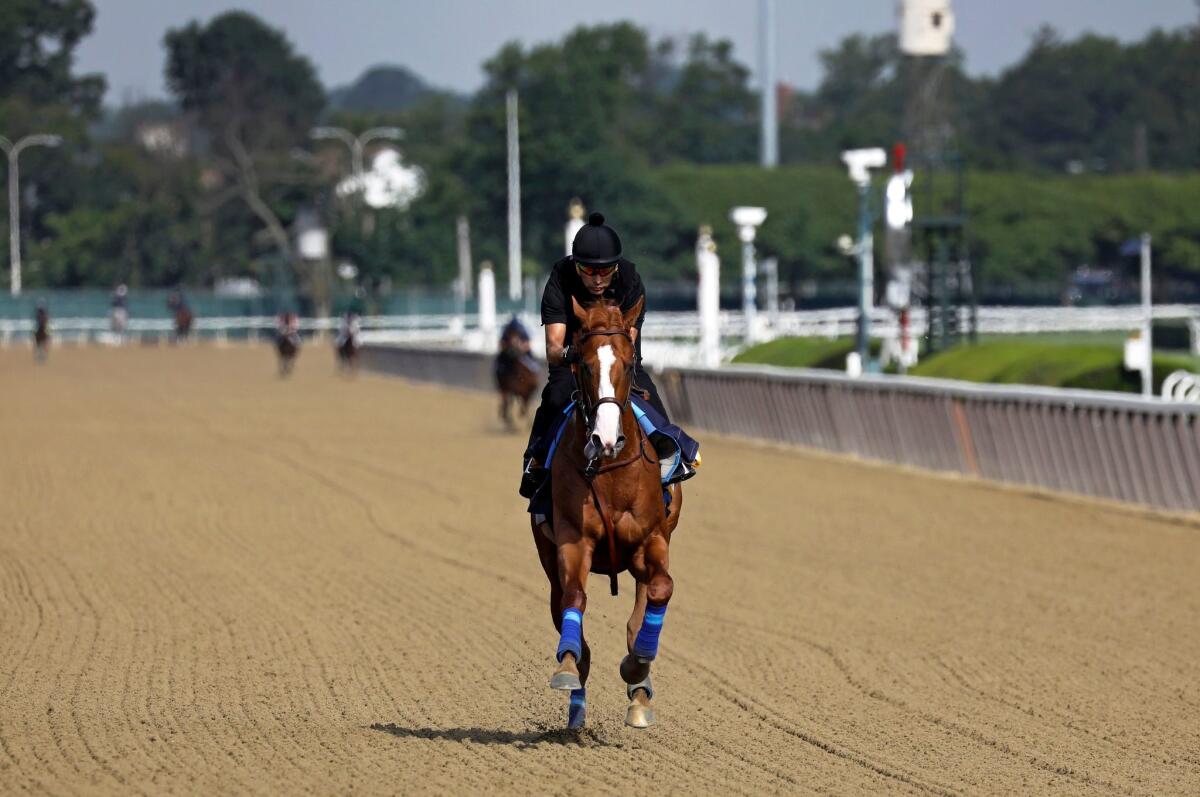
669	339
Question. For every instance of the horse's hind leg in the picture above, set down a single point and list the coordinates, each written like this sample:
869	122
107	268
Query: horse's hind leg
548	555
504	411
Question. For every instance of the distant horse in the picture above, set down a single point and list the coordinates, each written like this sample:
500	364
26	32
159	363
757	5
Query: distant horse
288	346
183	322
609	514
347	347
41	335
516	379
118	321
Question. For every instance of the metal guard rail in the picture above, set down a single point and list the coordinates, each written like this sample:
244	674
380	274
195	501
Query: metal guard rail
1099	444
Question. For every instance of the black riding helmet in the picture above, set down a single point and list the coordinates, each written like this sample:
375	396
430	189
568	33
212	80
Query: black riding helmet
596	244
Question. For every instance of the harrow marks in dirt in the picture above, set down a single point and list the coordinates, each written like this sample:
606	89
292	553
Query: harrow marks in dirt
212	580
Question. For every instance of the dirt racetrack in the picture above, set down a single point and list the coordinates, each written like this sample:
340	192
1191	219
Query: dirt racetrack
216	581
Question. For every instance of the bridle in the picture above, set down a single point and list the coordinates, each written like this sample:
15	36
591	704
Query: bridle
581	396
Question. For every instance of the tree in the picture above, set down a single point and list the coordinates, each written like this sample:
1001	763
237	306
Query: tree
37	43
255	99
708	113
586	106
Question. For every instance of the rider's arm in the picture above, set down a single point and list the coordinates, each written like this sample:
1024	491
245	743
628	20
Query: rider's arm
556	341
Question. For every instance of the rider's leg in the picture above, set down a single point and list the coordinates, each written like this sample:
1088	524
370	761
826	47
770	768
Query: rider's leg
555	398
643	381
556	395
690	448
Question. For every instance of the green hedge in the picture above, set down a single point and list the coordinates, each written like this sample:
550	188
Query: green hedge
1023	361
1022	227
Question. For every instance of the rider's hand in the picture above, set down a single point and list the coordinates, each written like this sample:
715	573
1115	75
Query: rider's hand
569	355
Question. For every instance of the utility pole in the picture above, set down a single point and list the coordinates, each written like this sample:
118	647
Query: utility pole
13	151
514	197
766	49
463	234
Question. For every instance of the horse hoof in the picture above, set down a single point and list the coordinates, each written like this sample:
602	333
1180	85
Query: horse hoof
566	677
639	715
634	671
565	681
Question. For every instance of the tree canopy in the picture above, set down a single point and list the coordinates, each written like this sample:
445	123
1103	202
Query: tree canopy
661	135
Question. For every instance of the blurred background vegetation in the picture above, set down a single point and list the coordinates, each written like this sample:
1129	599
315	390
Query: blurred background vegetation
1075	148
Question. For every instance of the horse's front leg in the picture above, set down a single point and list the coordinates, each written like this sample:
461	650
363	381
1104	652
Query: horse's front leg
574	562
548	555
654	589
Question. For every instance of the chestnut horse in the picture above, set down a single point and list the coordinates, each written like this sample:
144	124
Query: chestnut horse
516	380
183	323
347	354
41	335
609	514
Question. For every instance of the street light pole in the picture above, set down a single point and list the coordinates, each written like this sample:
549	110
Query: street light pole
357	144
859	163
748	220
13	151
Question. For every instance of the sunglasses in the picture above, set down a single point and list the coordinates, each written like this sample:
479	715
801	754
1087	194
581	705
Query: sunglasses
595	271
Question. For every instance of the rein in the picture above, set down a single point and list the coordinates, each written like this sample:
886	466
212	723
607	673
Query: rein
592	470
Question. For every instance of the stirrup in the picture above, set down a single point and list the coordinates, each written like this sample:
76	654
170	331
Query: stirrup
682	473
532	479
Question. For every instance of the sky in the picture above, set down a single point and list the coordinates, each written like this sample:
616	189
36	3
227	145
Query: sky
446	41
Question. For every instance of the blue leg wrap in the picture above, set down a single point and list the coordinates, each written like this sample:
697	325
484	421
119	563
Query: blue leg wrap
646	644
577	711
571	640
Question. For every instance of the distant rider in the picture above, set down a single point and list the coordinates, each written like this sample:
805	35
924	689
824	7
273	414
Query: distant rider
348	329
118	314
287	327
514	346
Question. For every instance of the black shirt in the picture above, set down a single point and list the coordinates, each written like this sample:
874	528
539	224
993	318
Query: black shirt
625	289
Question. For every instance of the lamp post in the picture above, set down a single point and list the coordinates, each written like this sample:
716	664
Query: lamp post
748	220
357	144
859	163
13	151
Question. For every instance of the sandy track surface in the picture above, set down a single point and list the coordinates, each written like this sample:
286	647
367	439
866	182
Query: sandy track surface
215	581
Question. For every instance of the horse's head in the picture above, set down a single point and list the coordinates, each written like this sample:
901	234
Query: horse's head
604	373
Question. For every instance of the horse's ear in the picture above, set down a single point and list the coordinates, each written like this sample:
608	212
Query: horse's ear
579	312
633	313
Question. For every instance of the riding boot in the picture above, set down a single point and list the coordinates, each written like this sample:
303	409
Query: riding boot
532	478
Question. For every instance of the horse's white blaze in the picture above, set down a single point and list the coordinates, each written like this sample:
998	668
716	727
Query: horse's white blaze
608	416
